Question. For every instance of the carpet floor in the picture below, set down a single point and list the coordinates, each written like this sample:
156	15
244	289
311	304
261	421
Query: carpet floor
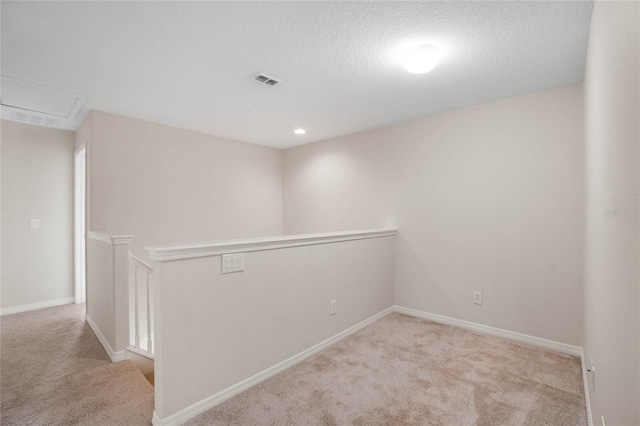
407	371
53	371
398	371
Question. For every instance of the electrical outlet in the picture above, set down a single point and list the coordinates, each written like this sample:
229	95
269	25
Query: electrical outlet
333	307
232	263
477	297
35	223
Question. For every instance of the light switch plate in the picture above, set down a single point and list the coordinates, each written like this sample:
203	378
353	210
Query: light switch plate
232	263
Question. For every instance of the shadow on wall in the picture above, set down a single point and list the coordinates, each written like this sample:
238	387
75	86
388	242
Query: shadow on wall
418	281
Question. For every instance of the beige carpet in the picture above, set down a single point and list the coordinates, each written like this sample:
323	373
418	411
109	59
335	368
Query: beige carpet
406	371
55	372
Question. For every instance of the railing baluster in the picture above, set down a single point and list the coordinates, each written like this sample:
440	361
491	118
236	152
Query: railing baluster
136	313
149	342
135	306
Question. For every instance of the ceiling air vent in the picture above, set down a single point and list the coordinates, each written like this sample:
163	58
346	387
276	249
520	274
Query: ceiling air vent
265	79
40	105
35	119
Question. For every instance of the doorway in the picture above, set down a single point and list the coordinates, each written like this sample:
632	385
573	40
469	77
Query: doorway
79	231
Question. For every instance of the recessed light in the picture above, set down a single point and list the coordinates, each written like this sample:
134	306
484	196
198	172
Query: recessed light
299	131
421	59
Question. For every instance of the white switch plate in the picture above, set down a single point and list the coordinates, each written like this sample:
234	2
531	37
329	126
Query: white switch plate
232	263
35	223
333	307
477	297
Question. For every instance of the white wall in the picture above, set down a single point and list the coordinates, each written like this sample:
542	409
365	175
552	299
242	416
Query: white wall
214	330
487	198
37	183
166	185
612	313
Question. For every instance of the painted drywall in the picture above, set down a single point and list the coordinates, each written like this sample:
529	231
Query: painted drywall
214	330
612	310
488	198
100	289
37	183
108	272
167	185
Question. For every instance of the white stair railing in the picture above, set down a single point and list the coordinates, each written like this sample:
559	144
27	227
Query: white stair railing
141	307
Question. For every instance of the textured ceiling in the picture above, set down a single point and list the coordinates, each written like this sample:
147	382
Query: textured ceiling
191	65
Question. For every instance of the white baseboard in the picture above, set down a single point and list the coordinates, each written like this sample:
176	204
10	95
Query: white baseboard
510	335
140	352
585	382
155	420
218	398
39	305
493	331
113	355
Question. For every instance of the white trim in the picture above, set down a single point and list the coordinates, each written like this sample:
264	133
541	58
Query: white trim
140	352
79	222
148	269
121	239
39	305
218	398
110	239
510	335
113	355
585	382
216	248
492	331
156	420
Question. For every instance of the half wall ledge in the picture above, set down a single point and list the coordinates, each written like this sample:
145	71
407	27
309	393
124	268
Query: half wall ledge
163	253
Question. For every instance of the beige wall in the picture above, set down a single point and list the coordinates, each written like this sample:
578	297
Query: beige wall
100	289
612	312
167	185
37	183
108	272
488	198
226	328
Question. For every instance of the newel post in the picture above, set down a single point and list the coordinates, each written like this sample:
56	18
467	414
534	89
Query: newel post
121	245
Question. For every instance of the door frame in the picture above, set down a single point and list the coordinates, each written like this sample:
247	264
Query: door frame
79	224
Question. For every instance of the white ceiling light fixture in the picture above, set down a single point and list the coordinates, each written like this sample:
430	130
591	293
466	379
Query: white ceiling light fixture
299	131
364	74
421	59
